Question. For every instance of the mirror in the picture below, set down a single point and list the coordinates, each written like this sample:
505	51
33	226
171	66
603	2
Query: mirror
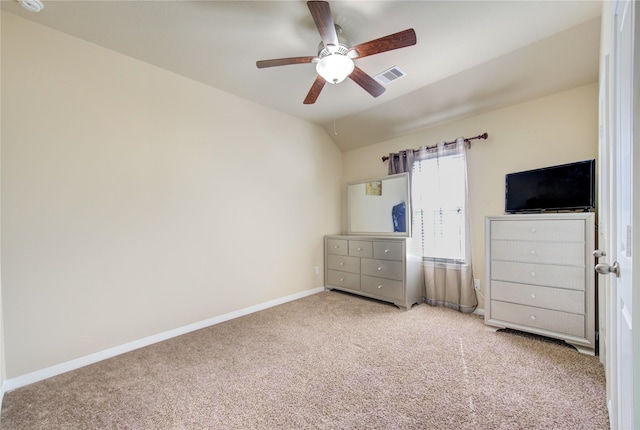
380	206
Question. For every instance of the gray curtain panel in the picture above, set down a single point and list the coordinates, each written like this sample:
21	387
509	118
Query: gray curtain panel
401	162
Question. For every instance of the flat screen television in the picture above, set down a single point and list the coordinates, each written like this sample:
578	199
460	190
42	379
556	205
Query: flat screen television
566	187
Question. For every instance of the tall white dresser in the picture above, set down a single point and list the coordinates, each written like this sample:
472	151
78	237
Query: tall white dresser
376	267
539	276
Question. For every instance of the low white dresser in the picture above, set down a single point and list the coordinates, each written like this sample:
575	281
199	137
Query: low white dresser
539	276
376	267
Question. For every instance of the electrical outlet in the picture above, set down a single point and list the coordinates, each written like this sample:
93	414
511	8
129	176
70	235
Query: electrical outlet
476	284
316	269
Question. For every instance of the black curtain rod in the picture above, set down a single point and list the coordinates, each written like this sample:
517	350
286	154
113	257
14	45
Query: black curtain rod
466	140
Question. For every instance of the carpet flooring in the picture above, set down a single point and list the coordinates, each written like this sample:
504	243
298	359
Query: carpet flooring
327	361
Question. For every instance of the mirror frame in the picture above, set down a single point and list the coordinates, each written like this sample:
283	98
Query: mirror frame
407	190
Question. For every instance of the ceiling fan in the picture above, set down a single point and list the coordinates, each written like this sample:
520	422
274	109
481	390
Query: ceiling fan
334	62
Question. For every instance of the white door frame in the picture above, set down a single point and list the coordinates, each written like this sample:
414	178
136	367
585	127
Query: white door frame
620	387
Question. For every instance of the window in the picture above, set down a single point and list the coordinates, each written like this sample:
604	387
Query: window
438	187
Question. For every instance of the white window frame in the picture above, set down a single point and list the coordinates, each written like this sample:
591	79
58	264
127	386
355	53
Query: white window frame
453	203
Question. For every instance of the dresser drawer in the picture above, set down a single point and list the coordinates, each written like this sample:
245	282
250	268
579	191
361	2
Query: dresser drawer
382	268
388	250
561	322
344	279
537	274
361	248
344	264
561	253
557	299
382	287
337	247
539	230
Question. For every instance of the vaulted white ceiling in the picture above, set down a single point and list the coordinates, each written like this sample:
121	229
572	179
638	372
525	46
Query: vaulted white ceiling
470	56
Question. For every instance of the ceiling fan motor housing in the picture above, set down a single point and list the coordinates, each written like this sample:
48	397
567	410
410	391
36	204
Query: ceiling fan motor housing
343	44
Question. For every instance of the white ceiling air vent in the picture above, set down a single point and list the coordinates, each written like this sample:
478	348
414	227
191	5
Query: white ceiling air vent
390	75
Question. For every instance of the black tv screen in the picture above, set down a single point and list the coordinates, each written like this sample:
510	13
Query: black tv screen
556	188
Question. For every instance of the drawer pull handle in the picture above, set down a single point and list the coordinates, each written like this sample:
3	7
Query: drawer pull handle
379	286
336	246
342	263
533	230
533	252
533	274
341	279
533	296
386	251
379	268
359	249
533	317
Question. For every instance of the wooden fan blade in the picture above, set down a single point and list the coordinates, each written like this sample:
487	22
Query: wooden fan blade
401	39
369	84
314	92
321	13
284	61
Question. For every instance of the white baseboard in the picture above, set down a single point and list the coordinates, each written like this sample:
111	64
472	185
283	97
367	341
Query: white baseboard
39	375
479	311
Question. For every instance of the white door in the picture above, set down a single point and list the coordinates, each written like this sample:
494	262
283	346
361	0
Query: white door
620	163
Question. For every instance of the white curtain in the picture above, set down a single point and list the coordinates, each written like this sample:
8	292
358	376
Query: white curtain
441	225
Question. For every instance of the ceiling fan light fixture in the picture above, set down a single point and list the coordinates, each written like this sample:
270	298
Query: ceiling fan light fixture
335	67
32	5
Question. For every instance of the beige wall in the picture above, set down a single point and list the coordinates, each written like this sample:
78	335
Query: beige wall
136	201
556	129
